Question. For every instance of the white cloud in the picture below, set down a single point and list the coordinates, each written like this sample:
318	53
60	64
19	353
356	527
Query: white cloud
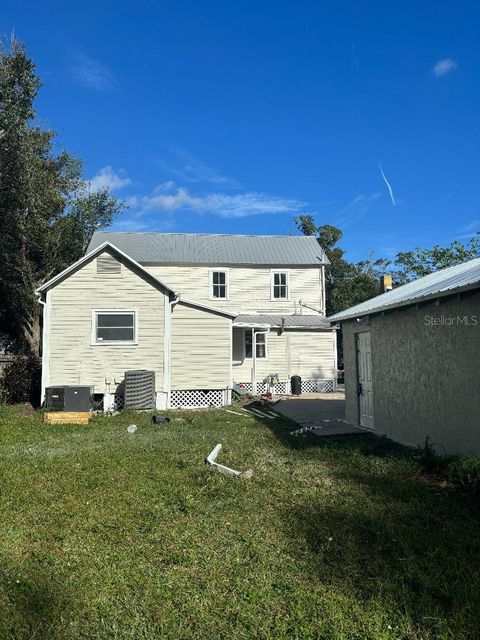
356	208
389	186
108	178
225	205
444	67
91	73
187	168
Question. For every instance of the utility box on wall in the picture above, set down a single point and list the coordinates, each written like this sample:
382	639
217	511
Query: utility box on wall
68	398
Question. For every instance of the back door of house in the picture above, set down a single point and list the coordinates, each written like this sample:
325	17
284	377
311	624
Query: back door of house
365	390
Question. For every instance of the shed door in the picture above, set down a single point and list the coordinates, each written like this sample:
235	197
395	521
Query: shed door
365	390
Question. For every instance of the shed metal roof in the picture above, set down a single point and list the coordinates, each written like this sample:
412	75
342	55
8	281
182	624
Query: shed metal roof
440	283
291	321
196	248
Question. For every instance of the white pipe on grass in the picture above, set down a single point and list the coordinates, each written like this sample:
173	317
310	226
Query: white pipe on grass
211	461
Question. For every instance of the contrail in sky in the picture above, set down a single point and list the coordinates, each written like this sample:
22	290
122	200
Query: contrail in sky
390	191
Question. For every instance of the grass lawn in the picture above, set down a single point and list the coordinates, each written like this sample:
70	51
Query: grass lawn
104	534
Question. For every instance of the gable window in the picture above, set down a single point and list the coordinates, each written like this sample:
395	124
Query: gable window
280	283
219	284
261	344
114	327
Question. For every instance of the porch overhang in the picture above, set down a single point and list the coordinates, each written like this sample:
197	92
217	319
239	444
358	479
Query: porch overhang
286	321
251	325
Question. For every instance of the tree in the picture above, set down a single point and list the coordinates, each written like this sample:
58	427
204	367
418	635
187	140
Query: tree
420	262
346	283
47	211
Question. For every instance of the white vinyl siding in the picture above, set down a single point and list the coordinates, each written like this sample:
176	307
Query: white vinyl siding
201	349
249	288
73	359
312	355
309	354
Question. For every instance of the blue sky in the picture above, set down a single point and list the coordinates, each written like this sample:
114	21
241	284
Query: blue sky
233	117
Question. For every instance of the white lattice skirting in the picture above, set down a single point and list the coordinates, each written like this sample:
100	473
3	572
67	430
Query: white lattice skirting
261	387
318	386
283	388
197	399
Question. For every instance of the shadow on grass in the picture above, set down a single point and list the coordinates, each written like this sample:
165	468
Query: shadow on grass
383	536
33	602
369	443
388	539
394	563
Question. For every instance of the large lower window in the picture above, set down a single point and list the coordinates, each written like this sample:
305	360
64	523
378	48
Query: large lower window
279	285
114	326
219	284
261	344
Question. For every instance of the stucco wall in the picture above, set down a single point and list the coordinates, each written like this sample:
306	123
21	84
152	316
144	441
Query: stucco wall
426	376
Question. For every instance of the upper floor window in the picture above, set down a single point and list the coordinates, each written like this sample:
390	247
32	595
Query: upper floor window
280	284
114	327
219	284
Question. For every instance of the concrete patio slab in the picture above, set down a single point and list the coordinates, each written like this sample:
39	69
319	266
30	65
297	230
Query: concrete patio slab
324	413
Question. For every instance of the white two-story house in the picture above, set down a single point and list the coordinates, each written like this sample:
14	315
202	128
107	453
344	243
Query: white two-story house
204	312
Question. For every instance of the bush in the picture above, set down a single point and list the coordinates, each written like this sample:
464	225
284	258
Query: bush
465	472
431	461
20	381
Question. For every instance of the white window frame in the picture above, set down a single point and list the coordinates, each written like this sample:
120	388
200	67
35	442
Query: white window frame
114	343
224	270
272	274
245	357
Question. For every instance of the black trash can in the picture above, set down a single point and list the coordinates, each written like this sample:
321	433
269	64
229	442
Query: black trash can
296	385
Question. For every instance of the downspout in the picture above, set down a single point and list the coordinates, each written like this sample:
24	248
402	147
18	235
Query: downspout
167	347
324	293
45	342
335	361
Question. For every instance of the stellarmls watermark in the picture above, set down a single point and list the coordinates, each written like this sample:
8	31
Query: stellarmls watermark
451	321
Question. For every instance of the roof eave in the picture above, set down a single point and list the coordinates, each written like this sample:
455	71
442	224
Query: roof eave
90	256
207	307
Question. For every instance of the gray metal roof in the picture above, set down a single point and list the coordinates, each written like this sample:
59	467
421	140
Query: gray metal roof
440	283
197	248
292	321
